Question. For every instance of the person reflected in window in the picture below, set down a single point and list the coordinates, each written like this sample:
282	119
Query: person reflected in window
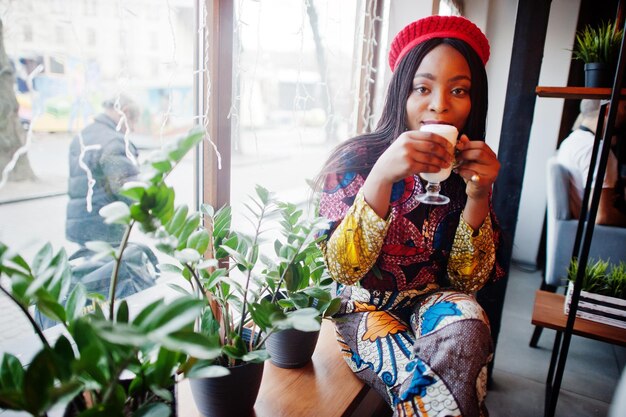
102	154
110	160
575	154
407	272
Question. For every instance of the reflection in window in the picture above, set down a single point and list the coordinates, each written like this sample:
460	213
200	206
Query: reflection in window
66	84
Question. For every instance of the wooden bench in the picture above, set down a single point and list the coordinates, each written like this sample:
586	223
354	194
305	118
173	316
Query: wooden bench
324	387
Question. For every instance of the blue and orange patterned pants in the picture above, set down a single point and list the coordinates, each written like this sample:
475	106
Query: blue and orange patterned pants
426	354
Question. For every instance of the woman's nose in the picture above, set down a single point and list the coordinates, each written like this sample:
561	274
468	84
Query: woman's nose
438	102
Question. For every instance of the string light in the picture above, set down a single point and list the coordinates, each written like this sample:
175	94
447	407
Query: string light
29	134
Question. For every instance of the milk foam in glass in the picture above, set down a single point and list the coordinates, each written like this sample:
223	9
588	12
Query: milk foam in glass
432	196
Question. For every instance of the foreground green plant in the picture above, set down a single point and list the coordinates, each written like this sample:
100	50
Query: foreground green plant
107	361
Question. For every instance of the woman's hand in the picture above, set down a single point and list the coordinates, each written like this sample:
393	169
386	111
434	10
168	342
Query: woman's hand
478	165
411	153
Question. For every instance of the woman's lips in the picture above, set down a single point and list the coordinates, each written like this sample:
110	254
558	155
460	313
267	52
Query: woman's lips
435	122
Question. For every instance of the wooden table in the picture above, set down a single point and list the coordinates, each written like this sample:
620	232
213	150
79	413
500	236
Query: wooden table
324	387
548	312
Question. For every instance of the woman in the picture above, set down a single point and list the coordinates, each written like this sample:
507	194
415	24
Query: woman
406	272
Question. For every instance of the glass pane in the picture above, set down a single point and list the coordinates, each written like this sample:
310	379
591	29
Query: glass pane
295	78
79	65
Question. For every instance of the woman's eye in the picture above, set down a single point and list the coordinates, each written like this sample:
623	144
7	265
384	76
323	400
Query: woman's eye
459	91
420	89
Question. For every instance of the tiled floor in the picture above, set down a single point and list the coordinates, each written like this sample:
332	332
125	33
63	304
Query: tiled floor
591	373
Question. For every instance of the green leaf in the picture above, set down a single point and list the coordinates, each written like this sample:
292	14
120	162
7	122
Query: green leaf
256	356
306	320
38	381
163	267
207	210
64	357
134	190
185	144
76	302
115	213
52	309
122	312
208	263
148	313
42	259
187	256
333	307
178	220
191	224
121	333
210	371
153	410
194	344
176	315
11	372
162	166
199	240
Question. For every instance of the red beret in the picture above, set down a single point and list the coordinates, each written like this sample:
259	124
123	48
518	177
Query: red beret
438	27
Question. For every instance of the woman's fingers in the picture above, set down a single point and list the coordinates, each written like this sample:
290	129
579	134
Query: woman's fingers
477	162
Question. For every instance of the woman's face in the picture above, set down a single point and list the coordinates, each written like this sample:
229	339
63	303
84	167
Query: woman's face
441	90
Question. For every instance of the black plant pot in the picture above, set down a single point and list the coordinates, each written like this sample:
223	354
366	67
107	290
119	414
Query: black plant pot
291	348
230	395
598	74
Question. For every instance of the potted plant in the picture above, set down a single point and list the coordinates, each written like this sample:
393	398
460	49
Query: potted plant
603	292
598	47
298	281
214	331
227	267
107	360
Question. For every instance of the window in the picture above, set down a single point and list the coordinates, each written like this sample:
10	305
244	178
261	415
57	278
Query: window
72	76
293	92
91	37
28	33
294	83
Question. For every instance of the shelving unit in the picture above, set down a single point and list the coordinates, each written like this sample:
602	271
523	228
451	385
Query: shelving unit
544	313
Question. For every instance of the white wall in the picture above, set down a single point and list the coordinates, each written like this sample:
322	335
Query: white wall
545	128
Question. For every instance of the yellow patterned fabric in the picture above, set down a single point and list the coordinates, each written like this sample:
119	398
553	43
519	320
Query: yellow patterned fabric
355	245
472	257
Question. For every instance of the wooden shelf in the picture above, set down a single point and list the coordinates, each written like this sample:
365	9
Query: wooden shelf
548	312
575	92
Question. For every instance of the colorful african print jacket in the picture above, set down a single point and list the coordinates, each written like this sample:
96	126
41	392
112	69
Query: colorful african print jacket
418	246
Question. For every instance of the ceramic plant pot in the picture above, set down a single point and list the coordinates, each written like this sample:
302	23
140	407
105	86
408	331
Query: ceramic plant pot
230	395
291	348
597	74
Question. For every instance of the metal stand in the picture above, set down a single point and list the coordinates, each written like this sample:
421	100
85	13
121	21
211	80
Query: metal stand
584	235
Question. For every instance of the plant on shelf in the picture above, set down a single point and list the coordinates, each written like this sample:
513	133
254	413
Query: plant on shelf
601	277
598	47
104	359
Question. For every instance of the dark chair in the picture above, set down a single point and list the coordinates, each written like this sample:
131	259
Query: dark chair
609	243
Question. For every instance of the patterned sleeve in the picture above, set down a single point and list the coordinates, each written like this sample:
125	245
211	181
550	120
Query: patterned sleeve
353	245
472	257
